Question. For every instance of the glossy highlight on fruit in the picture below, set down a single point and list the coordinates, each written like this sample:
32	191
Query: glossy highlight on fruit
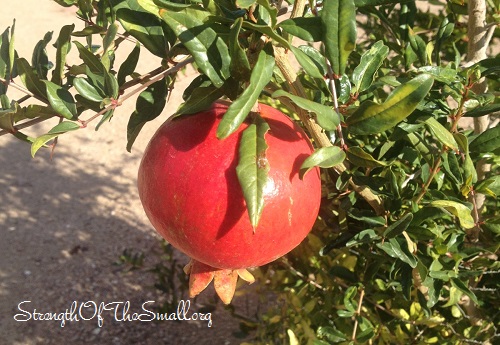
191	194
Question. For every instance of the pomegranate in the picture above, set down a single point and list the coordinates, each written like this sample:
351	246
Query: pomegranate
191	194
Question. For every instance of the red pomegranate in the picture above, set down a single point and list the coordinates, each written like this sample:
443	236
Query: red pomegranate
191	194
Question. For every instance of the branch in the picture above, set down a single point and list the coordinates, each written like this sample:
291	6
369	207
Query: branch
320	138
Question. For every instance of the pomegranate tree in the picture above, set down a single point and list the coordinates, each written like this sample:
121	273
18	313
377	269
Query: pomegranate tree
190	190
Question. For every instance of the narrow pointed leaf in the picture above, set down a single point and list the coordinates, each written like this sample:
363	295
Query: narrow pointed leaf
149	105
396	250
200	99
61	128
307	63
360	158
240	66
488	141
399	226
61	100
129	65
326	117
63	47
40	59
441	133
371	61
87	90
338	20
30	79
239	109
4	60
253	167
371	118
308	29
144	26
268	31
459	210
325	157
208	49
483	110
91	61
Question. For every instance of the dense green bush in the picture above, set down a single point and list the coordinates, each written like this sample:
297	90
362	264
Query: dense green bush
405	249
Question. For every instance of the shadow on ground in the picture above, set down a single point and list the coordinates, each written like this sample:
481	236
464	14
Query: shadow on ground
63	225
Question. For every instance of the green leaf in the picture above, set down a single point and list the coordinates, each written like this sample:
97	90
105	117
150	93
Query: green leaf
349	296
399	226
240	66
371	118
142	25
367	217
208	49
308	29
371	60
326	117
268	31
324	157
149	105
61	128
91	61
87	90
39	59
239	109
459	210
331	334
360	158
63	44
307	63
7	117
362	3
61	100
457	283
483	110
418	46
6	56
316	56
253	167
109	38
445	75
488	141
440	132
200	99
364	236
129	65
30	79
394	249
338	19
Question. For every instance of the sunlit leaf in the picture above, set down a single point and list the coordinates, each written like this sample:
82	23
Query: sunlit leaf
373	118
253	167
371	60
63	47
326	117
208	49
338	19
462	212
239	109
59	129
61	100
324	157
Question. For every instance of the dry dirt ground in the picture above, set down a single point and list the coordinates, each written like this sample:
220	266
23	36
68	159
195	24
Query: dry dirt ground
65	222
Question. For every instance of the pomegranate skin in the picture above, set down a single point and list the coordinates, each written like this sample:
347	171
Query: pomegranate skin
191	194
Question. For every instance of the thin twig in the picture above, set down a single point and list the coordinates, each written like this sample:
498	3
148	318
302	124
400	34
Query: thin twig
358	313
122	99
